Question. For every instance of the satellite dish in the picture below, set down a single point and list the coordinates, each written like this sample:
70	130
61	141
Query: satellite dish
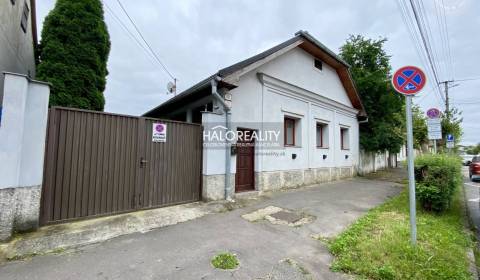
171	87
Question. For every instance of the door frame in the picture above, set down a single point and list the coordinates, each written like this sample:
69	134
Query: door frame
253	164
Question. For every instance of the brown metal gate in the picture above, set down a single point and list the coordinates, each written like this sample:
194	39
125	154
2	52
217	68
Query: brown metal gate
99	164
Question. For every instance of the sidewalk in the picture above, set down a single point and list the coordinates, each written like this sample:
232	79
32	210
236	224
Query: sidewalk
183	251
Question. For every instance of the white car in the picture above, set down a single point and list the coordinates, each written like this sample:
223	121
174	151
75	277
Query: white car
467	159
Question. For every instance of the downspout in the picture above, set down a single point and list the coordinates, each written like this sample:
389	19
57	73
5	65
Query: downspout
228	125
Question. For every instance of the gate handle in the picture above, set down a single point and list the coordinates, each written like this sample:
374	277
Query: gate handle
143	161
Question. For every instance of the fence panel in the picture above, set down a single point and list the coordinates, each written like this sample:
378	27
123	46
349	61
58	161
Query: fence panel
99	164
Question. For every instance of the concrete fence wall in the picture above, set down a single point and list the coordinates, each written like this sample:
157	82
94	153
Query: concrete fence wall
22	147
372	162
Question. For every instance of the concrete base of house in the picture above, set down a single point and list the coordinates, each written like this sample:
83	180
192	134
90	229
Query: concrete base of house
19	210
214	185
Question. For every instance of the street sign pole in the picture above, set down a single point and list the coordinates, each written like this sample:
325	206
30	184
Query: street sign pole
411	173
409	80
434	146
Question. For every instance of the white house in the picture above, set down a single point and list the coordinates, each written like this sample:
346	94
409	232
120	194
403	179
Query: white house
301	90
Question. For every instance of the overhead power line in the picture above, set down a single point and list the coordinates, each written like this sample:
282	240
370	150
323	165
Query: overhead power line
145	41
467	79
425	41
130	34
413	28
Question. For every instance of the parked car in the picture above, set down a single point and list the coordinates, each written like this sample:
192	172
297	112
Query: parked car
467	159
474	169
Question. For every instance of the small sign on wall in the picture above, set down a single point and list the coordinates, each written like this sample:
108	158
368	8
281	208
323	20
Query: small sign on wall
159	132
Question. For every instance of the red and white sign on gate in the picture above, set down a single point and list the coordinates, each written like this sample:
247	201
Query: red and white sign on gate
159	132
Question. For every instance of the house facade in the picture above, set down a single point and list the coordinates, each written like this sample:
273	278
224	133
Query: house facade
18	39
299	95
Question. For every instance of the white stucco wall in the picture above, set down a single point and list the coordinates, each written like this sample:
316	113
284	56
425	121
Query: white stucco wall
23	132
213	158
290	85
297	67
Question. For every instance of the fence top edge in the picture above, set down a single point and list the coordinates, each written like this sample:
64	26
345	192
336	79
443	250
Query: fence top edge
121	115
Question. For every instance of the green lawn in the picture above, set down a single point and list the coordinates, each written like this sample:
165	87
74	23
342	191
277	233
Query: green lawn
378	245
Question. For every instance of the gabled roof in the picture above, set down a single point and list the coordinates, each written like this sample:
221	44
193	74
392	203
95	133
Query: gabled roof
230	75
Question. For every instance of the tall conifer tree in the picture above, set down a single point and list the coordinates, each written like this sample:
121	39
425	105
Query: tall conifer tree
73	54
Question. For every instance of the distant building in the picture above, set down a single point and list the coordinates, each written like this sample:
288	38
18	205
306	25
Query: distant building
18	39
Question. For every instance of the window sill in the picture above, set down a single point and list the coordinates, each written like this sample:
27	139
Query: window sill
346	150
323	148
291	146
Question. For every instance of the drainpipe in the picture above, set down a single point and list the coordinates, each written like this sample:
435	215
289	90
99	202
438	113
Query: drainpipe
228	125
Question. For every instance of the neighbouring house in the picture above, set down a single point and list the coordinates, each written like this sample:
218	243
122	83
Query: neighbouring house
298	88
18	38
23	119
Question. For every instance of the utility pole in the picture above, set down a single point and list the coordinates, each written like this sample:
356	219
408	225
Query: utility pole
447	100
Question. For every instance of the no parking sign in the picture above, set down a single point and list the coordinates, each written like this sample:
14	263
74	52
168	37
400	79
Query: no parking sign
409	80
159	132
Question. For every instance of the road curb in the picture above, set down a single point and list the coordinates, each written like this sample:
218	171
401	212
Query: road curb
468	227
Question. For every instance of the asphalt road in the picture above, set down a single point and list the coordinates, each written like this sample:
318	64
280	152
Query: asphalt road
184	251
472	195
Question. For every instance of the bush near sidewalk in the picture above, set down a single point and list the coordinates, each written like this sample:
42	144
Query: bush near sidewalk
437	177
377	246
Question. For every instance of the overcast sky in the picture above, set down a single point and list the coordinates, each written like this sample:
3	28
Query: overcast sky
196	38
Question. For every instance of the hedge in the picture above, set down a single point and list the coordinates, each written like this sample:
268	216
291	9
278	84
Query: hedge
437	176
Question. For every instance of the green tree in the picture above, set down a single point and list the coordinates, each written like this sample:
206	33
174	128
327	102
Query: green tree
370	67
474	150
451	124
73	54
420	130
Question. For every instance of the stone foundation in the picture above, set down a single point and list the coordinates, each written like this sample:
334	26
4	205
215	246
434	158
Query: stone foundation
19	210
213	185
276	180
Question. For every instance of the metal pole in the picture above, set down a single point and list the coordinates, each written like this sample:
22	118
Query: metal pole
411	173
447	101
434	146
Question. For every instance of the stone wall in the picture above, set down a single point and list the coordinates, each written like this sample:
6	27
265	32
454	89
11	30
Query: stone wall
276	180
20	210
213	185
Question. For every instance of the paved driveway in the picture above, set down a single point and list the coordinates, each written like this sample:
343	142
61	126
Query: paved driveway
184	251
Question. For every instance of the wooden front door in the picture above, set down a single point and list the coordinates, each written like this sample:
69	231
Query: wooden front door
244	178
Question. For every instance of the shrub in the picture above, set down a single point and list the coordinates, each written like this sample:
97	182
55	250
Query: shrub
437	177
